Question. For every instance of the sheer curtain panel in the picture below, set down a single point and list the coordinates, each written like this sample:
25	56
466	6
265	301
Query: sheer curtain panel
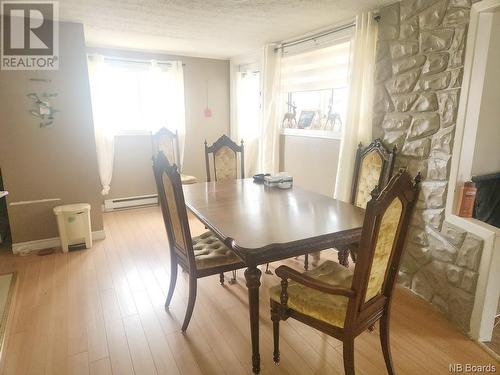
359	111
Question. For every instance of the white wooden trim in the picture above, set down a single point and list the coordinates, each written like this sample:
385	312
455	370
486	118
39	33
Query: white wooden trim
311	133
22	203
24	248
488	285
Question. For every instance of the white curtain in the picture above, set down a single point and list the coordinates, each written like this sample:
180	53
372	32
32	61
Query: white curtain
246	121
270	92
104	134
358	126
131	97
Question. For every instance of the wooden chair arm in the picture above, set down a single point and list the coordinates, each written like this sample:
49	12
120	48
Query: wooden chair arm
285	273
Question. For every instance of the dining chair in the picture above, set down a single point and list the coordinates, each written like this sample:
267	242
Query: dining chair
373	166
225	163
168	142
200	256
225	159
343	303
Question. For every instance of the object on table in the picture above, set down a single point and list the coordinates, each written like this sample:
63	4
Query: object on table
259	177
281	180
73	221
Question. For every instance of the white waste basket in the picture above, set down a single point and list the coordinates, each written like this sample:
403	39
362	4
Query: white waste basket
73	221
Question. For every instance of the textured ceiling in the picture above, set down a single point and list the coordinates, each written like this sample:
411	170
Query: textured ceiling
212	28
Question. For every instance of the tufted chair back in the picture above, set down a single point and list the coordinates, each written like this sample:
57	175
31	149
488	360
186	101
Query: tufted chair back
173	207
225	159
382	240
373	167
166	141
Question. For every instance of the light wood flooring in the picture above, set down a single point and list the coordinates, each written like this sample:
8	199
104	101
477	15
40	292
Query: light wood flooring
494	344
100	311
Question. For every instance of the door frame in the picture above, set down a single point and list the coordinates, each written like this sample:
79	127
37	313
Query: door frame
488	284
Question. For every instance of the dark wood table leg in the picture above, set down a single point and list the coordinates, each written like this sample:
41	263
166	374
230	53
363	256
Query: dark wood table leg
252	276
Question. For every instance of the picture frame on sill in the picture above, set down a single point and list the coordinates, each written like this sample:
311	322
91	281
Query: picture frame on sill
305	120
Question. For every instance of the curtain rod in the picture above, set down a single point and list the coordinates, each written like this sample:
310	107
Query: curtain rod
135	61
316	36
376	16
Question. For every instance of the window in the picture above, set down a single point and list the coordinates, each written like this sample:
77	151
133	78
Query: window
314	84
130	97
248	96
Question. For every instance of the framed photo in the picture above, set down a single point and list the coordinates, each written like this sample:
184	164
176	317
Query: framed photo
306	119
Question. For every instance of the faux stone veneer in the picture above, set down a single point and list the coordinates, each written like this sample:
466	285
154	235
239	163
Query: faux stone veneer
420	55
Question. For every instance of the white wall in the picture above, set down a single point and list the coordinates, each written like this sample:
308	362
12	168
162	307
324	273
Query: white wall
486	152
311	161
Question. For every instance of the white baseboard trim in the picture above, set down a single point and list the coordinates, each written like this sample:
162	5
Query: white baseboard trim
24	248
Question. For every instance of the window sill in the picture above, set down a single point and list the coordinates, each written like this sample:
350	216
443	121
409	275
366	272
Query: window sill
128	133
312	133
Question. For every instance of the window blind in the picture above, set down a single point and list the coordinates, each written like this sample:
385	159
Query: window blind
320	68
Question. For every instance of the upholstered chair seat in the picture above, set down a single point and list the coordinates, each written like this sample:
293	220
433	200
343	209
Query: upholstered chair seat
373	167
369	177
322	306
199	256
188	180
342	302
225	159
210	252
224	152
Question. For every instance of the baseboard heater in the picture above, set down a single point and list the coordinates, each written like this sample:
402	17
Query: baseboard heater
130	202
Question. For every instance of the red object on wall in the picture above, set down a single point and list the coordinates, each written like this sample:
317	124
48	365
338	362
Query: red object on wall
208	112
468	198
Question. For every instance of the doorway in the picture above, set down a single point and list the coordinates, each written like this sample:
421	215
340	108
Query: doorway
5	239
476	153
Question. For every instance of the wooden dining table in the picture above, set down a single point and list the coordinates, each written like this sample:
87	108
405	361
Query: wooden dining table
264	224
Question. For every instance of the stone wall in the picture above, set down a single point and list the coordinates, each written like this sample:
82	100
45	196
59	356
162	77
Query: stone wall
420	55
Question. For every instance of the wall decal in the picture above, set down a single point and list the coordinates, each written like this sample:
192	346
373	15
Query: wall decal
43	109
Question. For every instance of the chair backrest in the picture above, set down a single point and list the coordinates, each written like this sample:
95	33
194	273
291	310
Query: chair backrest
225	159
173	208
373	167
382	241
166	141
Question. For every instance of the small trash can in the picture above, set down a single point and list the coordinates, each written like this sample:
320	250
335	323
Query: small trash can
73	221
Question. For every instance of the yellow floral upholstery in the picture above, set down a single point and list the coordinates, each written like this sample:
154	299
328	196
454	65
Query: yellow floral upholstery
326	307
209	252
174	214
383	248
369	175
225	164
187	180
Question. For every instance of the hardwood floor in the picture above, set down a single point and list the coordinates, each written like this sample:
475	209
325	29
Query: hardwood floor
494	344
100	311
